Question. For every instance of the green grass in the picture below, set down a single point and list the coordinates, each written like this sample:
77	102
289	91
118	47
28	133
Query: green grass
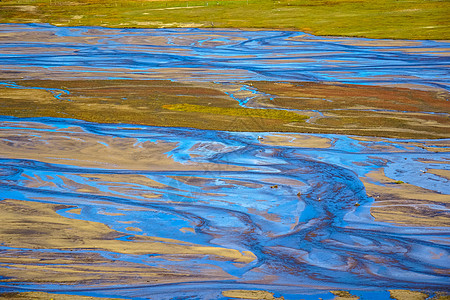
156	103
399	19
240	111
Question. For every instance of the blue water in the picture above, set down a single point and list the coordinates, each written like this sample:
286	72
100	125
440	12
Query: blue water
317	238
301	209
43	51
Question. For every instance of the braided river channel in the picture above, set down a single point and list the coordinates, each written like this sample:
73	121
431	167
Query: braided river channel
136	211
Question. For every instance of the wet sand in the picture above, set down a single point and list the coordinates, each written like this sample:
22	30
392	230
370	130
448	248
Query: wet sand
258	214
45	52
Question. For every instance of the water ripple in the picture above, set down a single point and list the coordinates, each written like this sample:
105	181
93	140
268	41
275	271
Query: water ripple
302	212
42	51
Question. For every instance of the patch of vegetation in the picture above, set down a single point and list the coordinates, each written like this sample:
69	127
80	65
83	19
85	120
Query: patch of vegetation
156	103
207	106
247	112
400	19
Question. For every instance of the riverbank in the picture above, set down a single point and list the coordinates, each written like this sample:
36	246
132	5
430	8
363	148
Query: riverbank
393	19
301	107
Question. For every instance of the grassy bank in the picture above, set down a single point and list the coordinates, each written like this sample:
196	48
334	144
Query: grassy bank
158	102
399	19
342	109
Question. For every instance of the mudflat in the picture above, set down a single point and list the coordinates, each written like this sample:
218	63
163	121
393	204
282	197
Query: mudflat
273	106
